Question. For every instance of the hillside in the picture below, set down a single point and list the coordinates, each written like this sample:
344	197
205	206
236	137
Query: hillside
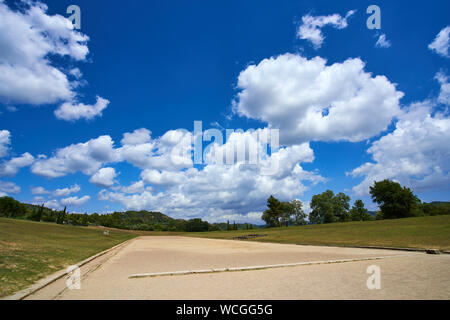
420	232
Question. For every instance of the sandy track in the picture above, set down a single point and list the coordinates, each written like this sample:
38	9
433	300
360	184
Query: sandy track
414	276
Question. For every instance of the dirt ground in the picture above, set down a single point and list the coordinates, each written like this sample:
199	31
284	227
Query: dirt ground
404	275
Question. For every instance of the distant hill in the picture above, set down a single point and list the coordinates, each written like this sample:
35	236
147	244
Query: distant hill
144	216
440	203
372	213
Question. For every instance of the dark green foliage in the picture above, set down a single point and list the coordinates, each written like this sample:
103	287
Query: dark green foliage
394	200
37	214
196	225
273	213
11	208
436	208
359	213
327	208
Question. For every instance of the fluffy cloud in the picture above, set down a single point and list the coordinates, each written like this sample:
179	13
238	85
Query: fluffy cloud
69	111
136	187
137	137
64	192
310	101
27	39
104	177
444	94
75	201
7	187
310	29
30	38
39	190
5	141
86	157
172	151
382	42
441	43
11	167
219	190
169	182
415	154
52	204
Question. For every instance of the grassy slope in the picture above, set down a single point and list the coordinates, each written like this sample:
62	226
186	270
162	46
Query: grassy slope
32	250
423	232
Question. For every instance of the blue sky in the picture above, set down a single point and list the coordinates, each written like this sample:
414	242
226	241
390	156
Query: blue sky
163	65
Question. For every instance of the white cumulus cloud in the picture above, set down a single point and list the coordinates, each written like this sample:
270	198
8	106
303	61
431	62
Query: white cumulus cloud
441	42
29	41
10	167
7	187
5	141
75	201
27	38
415	154
86	157
64	192
311	101
444	94
104	177
70	112
311	27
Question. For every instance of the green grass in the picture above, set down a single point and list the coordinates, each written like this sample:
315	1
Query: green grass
422	232
31	250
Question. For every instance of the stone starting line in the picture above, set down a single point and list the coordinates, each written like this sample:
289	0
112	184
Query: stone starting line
250	268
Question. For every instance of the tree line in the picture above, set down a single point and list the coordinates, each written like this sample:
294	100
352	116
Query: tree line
130	220
394	202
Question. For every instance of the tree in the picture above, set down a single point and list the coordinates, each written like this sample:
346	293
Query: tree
84	220
327	207
196	225
273	213
394	200
61	216
11	208
298	216
359	213
36	215
341	207
287	210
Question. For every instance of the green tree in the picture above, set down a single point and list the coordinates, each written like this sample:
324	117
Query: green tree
287	210
61	216
37	213
394	200
196	225
84	220
298	216
273	213
11	208
327	207
359	213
